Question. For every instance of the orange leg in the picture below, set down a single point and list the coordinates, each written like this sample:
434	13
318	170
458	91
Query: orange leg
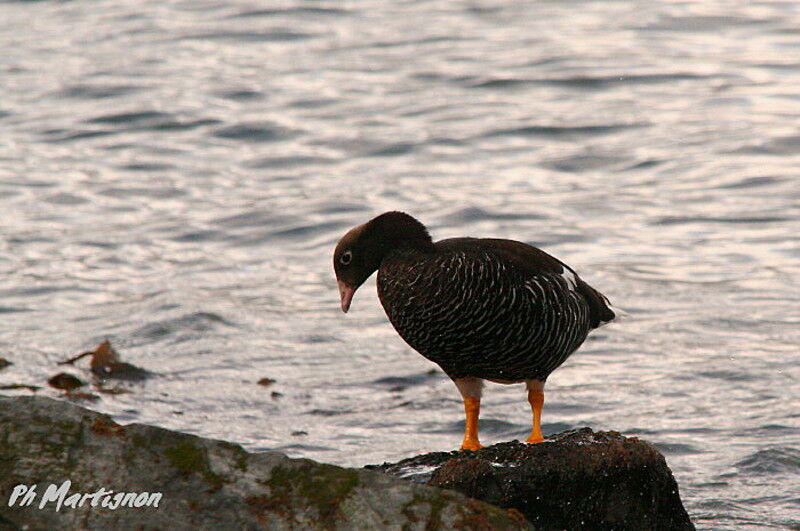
536	399
472	407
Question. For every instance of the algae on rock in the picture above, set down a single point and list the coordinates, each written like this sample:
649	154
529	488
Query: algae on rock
206	484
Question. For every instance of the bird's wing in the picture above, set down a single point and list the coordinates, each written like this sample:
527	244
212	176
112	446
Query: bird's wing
532	262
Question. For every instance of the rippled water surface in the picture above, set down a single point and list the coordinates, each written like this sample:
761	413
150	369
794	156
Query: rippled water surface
175	174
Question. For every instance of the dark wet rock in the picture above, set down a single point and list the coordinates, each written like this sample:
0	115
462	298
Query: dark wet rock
65	381
4	363
120	370
106	363
15	387
205	484
112	390
80	395
578	479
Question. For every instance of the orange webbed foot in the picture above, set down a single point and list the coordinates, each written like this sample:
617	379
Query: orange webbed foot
534	439
470	445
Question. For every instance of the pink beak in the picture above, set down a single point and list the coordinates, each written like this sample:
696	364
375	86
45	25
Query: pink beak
346	293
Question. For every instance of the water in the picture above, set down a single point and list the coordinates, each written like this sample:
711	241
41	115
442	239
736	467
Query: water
174	176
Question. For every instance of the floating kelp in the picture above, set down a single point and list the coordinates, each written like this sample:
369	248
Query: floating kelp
106	363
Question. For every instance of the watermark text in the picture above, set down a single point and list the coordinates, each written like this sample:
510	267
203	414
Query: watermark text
58	496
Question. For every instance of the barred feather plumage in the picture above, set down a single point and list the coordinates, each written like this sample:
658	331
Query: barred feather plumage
475	314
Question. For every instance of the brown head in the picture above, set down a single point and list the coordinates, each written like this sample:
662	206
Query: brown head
359	253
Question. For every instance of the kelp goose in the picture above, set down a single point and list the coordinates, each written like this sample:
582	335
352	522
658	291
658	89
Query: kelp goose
480	308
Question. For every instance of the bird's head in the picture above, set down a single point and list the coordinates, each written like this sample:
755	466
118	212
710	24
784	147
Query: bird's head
359	253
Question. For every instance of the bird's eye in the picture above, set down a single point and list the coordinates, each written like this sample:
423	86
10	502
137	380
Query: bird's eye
346	257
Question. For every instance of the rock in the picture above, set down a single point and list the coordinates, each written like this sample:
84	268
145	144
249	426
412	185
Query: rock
80	395
14	387
65	381
204	483
4	363
574	480
106	363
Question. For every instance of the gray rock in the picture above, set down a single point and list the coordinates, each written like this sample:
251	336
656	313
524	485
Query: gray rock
205	484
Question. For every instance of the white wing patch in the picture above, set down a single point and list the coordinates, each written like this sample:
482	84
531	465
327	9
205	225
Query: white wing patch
569	277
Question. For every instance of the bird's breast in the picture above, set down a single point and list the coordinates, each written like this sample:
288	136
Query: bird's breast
435	300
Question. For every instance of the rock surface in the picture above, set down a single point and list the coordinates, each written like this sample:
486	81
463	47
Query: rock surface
574	480
205	484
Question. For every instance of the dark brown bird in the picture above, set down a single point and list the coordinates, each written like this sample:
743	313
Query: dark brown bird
482	309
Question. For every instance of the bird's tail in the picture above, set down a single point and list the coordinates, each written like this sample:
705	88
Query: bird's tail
619	314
